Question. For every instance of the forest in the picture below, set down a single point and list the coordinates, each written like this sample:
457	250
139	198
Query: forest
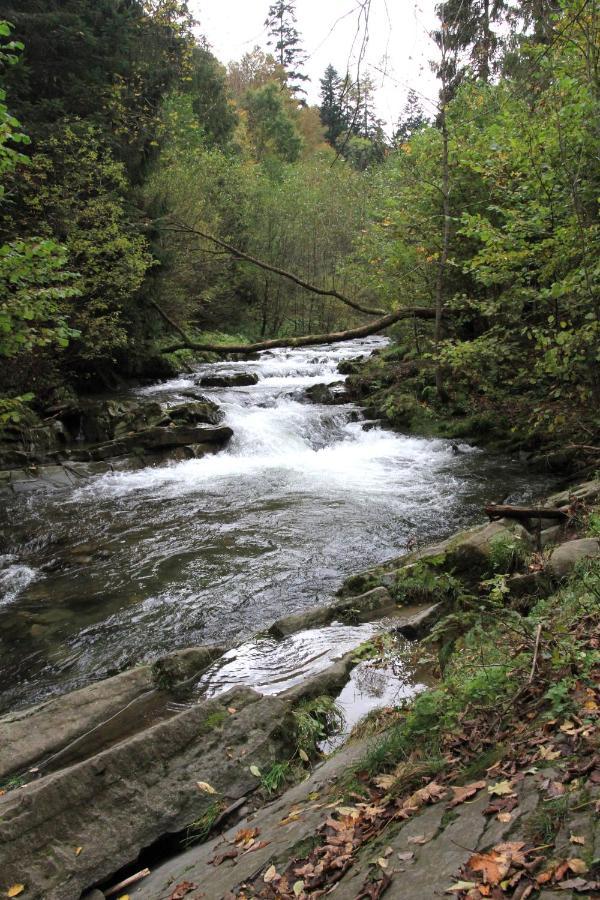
155	202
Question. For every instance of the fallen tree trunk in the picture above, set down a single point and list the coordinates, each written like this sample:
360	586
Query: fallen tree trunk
182	228
309	339
526	512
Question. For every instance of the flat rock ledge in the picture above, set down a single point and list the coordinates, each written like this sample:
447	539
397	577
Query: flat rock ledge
126	797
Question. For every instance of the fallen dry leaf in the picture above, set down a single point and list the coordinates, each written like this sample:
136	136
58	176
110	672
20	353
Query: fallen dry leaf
579	884
256	845
255	771
493	866
382	862
231	710
246	834
303	755
78	850
15	889
547	753
461	886
229	853
504	817
270	875
406	856
205	787
183	888
298	888
577	839
577	866
385	782
501	788
419	839
465	792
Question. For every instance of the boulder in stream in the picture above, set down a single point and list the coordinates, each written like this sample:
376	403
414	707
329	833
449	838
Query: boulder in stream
328	394
240	379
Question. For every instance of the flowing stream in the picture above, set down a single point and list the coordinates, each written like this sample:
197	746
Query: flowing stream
134	564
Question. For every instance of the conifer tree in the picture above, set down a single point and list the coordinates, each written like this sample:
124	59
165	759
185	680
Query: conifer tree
284	38
412	119
332	111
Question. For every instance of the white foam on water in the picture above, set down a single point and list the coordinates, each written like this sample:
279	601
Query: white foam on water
13	580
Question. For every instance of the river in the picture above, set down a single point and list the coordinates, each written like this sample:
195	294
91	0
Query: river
133	564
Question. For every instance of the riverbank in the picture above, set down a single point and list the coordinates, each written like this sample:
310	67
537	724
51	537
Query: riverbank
398	388
486	786
512	618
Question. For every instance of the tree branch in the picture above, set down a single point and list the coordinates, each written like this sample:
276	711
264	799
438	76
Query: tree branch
310	339
241	254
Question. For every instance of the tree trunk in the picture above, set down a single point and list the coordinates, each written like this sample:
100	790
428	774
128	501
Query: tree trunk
310	339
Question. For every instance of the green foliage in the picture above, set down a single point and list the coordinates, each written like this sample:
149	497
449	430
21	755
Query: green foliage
506	553
34	288
275	777
12	409
543	825
271	128
73	189
593	524
423	582
199	829
315	720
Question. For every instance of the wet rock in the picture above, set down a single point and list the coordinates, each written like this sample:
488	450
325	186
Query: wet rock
550	535
588	492
202	411
417	625
352	610
529	584
564	559
97	421
183	665
126	797
328	682
328	394
240	379
468	554
154	439
29	735
351	366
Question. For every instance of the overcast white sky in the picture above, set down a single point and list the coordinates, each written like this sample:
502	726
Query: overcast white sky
399	45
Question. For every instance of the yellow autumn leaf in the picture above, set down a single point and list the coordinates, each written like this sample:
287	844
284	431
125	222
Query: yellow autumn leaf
78	850
15	889
270	874
578	866
298	888
303	755
501	788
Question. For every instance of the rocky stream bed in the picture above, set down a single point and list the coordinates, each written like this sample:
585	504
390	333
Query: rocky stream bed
181	613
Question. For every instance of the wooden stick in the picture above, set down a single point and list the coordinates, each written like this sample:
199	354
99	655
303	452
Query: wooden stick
133	879
535	652
498	511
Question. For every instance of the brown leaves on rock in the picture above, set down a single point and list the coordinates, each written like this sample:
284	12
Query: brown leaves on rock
228	853
465	792
510	870
182	889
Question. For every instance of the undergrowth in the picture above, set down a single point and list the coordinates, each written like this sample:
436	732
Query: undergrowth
496	656
315	720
